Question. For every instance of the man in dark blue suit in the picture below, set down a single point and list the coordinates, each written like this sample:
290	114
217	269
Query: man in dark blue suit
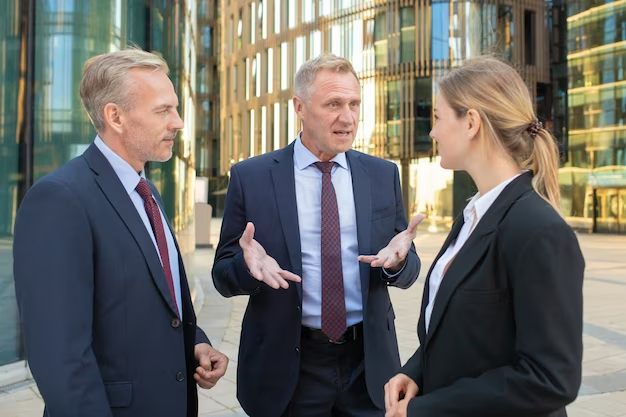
323	344
108	321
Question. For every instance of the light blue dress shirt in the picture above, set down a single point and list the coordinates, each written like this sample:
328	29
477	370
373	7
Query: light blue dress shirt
308	197
130	178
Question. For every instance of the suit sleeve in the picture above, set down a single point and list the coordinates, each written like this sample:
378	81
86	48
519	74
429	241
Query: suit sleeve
547	281
413	367
230	274
411	269
54	282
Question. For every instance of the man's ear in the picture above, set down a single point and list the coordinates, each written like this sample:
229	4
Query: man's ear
298	107
474	122
113	117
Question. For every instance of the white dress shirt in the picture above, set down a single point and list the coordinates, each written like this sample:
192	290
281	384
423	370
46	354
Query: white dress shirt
130	178
472	213
308	198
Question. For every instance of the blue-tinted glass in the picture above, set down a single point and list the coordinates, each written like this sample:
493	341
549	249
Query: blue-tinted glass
441	30
10	334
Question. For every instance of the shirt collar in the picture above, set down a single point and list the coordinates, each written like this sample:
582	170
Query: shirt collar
304	158
127	175
482	203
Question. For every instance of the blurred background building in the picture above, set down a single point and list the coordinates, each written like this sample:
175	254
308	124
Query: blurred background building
400	48
233	62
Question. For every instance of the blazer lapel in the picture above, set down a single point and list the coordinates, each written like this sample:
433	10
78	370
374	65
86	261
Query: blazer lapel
473	250
361	188
285	195
456	229
109	183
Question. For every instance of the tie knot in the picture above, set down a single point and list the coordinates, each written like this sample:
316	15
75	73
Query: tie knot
144	189
325	167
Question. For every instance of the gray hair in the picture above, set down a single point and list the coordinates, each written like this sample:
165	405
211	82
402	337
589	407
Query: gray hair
105	80
308	71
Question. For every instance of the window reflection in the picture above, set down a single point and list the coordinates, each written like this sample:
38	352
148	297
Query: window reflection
407	34
380	39
440	30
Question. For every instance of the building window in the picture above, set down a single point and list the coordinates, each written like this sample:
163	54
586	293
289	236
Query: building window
300	52
356	45
407	34
276	126
336	42
316	44
291	122
235	83
308	11
394	123
284	65
270	70
247	78
423	110
231	33
506	31
276	16
530	29
252	25
257	75
252	129
440	30
325	6
263	129
380	39
263	18
292	5
240	29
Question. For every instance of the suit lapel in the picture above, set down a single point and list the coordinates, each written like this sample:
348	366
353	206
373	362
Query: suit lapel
361	188
474	248
456	228
112	188
285	194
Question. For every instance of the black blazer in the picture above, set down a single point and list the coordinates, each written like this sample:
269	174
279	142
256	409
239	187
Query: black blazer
262	190
102	334
505	335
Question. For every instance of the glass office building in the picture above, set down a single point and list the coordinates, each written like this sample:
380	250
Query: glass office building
43	46
400	48
593	178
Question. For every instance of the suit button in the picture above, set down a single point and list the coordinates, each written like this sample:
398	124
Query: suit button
297	349
299	308
180	377
175	323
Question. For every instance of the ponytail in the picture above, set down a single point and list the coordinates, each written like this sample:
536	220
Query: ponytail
544	163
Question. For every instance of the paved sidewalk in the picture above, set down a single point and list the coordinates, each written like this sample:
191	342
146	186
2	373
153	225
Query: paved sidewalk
602	394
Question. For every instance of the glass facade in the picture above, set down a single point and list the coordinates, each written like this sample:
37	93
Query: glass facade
43	124
11	89
400	50
593	180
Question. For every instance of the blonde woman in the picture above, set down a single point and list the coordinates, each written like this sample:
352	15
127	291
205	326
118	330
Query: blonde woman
501	319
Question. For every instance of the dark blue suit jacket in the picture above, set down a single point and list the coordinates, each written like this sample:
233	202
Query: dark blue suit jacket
262	191
101	332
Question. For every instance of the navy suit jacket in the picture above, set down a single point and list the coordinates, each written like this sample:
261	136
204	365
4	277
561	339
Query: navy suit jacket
262	191
102	334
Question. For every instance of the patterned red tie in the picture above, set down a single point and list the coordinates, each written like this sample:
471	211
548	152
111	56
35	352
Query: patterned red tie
333	299
154	215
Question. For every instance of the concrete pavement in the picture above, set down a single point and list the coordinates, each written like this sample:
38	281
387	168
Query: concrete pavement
602	394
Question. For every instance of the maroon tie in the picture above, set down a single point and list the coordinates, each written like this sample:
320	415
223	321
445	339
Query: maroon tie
154	215
333	299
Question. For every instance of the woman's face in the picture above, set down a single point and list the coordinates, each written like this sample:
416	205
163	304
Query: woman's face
452	136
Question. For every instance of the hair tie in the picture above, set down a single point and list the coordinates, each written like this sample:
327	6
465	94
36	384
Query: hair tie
534	127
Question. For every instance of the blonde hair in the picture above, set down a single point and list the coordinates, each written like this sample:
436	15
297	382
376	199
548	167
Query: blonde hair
308	71
105	80
498	93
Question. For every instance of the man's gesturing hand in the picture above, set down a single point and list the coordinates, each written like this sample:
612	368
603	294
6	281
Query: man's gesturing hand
262	266
392	256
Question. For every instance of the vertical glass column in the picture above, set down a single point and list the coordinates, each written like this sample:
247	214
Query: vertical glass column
11	85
